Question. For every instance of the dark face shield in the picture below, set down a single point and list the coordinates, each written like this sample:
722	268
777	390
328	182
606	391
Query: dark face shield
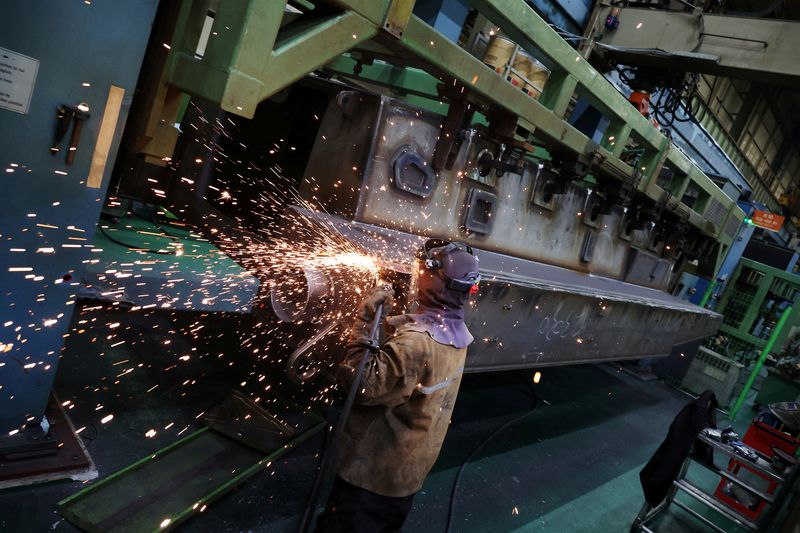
460	269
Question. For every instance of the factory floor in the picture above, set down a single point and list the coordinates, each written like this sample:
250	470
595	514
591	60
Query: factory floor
571	465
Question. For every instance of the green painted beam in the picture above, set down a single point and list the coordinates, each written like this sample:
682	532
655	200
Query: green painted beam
558	92
414	86
305	53
448	59
405	80
247	49
372	10
521	23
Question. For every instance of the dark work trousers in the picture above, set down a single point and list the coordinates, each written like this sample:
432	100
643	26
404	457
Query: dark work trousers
352	509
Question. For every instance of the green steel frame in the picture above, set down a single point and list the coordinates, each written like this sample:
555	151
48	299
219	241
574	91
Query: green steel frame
741	311
196	508
256	51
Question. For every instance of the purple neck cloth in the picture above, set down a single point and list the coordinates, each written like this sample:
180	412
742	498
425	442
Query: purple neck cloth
445	326
439	312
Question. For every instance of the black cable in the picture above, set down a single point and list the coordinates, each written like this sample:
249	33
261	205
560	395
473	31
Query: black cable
452	510
327	460
132	246
670	104
160	223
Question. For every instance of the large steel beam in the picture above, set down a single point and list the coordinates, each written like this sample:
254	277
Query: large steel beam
758	49
529	314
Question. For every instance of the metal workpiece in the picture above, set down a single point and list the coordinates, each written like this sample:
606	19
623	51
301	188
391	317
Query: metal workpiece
759	49
373	162
314	293
528	314
518	326
256	50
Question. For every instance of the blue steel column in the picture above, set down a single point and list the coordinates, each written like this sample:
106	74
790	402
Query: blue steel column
48	213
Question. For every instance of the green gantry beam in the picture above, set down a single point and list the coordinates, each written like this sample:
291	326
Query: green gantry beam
254	53
759	49
248	58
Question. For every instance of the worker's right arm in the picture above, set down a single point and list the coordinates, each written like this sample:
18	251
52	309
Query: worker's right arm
389	378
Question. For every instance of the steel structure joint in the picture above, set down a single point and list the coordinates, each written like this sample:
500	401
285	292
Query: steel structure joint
397	17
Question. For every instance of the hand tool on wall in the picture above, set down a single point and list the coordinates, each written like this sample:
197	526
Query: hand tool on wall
66	115
81	115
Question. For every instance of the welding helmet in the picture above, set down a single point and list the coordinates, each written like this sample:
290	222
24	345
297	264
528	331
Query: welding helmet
454	262
446	274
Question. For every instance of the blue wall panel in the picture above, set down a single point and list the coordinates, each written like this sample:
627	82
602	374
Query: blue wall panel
77	43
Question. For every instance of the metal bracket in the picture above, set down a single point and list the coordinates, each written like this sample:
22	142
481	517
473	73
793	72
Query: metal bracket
398	16
501	165
458	114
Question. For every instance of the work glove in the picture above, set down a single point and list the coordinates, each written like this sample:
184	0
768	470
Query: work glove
382	293
359	336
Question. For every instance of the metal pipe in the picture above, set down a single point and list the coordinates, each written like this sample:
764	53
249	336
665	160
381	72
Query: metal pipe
760	362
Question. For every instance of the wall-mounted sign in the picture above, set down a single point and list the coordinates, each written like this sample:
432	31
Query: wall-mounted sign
17	78
767	220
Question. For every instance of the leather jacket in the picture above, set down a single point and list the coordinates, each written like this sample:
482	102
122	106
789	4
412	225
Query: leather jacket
396	428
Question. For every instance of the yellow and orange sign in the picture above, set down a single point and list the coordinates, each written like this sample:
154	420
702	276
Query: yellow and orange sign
767	220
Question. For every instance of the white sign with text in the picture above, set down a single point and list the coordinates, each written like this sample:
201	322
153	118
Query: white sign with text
17	78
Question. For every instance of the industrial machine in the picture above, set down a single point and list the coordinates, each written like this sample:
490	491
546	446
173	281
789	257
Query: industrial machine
580	240
568	273
752	304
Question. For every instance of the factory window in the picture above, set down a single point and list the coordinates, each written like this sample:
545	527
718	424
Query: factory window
790	169
724	98
760	142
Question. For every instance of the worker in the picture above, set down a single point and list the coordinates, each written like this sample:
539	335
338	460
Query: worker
406	397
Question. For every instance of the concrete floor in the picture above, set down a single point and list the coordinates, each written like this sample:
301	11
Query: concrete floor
571	465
